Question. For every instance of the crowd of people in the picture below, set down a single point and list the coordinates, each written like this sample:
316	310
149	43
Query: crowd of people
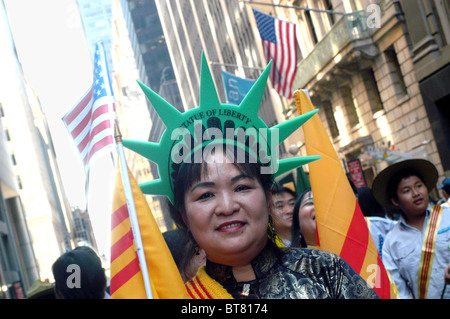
398	211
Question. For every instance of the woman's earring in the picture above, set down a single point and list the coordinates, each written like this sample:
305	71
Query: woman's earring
197	249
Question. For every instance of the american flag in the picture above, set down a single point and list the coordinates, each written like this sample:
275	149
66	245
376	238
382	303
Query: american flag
91	121
280	45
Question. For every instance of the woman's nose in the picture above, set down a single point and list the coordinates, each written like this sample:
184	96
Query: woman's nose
227	204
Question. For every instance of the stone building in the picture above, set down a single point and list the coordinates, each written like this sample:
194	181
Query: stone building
368	66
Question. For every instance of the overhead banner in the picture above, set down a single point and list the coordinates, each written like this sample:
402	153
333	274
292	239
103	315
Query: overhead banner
235	87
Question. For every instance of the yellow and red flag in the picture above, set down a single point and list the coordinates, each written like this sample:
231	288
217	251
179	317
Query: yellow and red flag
126	276
341	227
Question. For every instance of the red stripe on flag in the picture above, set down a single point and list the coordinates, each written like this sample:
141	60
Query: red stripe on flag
82	125
79	107
382	283
119	216
125	274
106	124
122	245
292	62
286	49
107	140
89	118
356	241
280	47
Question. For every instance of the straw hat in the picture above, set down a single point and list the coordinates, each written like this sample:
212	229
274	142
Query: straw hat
422	167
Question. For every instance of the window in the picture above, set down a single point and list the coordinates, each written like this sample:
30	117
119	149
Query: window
329	114
395	72
350	109
312	30
373	94
329	6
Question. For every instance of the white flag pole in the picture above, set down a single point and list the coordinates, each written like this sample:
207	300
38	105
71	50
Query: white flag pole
132	210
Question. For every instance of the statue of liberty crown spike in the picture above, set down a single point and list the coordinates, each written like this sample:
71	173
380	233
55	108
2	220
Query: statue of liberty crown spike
212	125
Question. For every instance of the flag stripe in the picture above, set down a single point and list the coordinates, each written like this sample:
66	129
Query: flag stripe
85	102
89	138
125	274
121	245
119	216
355	245
107	140
383	289
89	118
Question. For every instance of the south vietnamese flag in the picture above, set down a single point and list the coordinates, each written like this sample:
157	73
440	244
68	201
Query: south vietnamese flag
126	275
341	227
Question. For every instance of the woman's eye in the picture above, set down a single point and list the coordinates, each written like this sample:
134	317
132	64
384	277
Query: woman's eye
205	196
241	188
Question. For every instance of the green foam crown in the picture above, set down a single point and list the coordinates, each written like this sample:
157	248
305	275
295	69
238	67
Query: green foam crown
190	134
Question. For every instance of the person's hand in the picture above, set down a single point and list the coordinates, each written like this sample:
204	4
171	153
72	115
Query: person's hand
447	274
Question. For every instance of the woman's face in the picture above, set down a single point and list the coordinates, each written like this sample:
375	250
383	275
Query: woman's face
307	219
227	213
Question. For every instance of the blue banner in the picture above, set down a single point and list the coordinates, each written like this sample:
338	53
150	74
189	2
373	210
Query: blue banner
235	87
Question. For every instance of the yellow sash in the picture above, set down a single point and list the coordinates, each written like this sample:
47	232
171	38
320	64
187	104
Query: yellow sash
428	248
202	286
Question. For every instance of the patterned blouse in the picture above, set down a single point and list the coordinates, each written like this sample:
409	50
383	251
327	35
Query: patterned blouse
293	273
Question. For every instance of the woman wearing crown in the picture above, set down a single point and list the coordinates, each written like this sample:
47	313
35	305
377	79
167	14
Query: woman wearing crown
217	173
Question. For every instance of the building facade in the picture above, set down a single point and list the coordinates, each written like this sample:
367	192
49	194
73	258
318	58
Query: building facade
427	24
368	78
377	77
33	223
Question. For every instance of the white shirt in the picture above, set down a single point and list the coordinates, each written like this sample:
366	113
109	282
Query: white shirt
402	251
379	227
447	203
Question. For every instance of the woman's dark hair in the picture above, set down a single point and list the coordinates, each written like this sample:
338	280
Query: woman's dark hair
297	238
92	281
179	242
191	173
368	204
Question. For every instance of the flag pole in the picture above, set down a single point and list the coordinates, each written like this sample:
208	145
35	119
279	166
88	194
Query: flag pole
132	210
